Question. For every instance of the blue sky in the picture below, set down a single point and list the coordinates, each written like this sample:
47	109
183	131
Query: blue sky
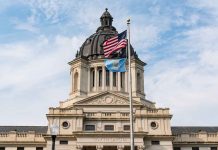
177	39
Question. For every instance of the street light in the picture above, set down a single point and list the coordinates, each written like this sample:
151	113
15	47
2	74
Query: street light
54	131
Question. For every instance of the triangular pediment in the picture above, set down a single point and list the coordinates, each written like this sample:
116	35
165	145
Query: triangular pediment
106	98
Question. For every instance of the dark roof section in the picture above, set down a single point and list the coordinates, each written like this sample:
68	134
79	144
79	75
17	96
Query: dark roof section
192	129
37	129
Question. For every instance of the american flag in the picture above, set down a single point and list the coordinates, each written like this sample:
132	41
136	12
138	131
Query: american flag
114	44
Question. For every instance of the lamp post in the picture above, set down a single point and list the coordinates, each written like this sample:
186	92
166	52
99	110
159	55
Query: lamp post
54	132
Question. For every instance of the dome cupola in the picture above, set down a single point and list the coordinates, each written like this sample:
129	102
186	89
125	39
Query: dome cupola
106	19
92	48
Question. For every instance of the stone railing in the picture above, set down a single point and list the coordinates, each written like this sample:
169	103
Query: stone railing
197	137
60	111
107	115
151	112
14	136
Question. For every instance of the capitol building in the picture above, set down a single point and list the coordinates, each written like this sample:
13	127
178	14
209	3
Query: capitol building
96	114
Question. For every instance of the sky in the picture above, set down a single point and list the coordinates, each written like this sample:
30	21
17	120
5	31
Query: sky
177	39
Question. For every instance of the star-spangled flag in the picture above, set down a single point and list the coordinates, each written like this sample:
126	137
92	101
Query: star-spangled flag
116	43
115	65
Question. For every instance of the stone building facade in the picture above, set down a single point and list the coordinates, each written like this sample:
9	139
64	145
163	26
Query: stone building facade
96	114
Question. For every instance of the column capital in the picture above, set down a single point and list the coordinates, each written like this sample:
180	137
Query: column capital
99	147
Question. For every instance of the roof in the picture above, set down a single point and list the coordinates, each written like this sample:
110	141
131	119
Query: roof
37	129
193	129
175	129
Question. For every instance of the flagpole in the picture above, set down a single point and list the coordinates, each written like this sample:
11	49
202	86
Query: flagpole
130	90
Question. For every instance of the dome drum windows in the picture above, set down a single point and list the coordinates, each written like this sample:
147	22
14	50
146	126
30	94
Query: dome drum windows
138	78
101	79
122	80
92	75
114	79
107	78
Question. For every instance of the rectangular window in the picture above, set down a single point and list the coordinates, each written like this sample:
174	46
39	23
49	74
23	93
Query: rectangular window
107	78
39	148
155	142
195	148
2	148
90	127
20	148
109	127
126	127
63	142
213	148
114	79
176	148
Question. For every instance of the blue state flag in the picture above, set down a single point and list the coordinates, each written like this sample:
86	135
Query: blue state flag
116	65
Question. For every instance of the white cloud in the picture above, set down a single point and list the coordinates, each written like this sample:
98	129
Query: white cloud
31	74
186	84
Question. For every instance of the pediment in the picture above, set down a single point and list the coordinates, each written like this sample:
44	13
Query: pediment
106	98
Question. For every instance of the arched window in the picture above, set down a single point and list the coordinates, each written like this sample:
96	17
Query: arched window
138	82
100	77
75	81
93	78
107	78
114	79
122	79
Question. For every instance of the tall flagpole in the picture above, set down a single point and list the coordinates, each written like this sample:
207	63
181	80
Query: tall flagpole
130	90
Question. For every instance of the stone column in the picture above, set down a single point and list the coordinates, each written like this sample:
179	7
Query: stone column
126	81
118	82
95	79
103	78
99	147
141	147
120	147
89	86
